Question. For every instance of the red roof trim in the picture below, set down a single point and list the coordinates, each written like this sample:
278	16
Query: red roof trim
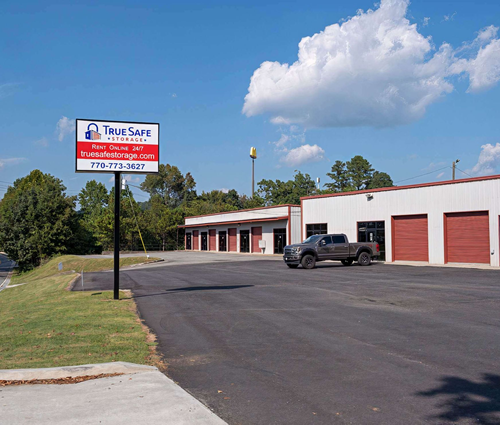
248	209
232	223
413	186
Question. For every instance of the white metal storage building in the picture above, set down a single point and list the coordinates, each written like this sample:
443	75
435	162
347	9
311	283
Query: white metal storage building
454	221
260	230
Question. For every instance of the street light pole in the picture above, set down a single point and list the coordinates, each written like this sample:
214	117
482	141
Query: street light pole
253	155
253	176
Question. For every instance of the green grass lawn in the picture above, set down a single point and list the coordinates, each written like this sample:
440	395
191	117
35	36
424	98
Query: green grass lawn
42	324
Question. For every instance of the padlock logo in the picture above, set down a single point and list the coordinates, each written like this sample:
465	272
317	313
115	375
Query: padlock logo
91	134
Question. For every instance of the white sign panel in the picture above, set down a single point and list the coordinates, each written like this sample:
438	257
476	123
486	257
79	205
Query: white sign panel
112	146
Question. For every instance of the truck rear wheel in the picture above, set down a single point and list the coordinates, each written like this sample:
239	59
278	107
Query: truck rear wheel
364	259
308	262
293	266
346	262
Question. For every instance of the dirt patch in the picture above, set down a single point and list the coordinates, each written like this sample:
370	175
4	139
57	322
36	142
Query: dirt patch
154	358
58	381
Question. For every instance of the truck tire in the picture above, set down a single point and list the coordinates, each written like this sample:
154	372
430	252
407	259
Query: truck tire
364	259
346	262
293	266
308	261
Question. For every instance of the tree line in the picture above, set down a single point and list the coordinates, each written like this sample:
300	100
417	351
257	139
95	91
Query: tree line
39	220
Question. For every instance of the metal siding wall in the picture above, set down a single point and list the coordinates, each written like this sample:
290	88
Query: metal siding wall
295	225
343	212
238	216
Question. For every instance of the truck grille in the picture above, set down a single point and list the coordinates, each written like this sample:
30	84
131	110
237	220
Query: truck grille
288	251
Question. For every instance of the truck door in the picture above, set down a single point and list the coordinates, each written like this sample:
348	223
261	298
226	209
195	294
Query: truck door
324	247
340	247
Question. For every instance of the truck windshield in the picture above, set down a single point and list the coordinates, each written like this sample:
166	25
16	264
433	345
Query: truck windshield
313	239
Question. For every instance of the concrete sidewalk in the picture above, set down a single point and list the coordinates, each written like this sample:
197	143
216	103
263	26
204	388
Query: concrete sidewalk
143	395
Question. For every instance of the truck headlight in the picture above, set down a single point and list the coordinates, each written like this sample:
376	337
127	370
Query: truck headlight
297	250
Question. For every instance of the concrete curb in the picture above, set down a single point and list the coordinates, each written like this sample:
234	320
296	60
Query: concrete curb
159	260
73	371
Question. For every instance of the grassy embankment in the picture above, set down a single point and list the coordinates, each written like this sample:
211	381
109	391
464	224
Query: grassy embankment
42	324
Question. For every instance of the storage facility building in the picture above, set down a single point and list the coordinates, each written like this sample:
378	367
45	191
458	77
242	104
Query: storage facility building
260	230
454	221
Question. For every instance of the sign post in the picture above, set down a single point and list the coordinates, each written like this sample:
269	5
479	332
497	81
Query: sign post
116	147
116	263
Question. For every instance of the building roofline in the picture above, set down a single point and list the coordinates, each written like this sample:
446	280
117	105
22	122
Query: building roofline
412	186
234	222
237	211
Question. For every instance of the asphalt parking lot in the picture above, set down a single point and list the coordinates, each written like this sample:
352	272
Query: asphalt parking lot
263	344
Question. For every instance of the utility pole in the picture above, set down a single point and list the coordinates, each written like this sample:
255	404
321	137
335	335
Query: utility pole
453	166
253	155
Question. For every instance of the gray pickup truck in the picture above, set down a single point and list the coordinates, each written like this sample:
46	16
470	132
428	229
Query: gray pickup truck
329	247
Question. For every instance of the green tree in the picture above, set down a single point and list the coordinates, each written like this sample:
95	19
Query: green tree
248	202
359	171
356	174
163	222
129	235
37	219
289	192
171	185
93	200
341	182
380	179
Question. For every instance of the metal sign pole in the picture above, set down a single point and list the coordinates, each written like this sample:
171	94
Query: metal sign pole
117	236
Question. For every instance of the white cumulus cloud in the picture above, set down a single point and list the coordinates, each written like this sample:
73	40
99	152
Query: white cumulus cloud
302	155
42	142
374	69
283	140
484	69
64	127
10	161
487	34
488	162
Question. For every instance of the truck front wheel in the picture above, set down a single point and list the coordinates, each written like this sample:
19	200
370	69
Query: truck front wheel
364	259
308	262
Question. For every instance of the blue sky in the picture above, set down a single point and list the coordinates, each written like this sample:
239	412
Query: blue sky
187	65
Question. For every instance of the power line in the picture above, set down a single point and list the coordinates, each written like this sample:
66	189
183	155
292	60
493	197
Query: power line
422	175
467	174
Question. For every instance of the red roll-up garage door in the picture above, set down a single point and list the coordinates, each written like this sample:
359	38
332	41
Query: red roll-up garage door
467	237
196	243
256	237
211	240
232	240
410	238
